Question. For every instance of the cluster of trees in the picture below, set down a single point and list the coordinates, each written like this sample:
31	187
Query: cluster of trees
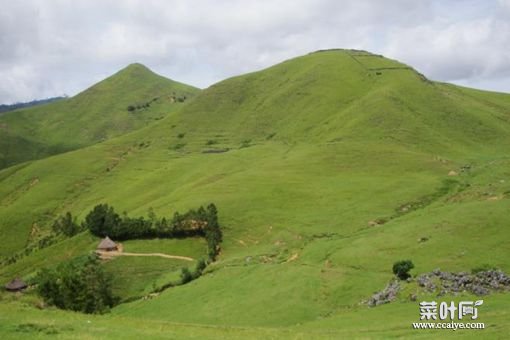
139	106
132	108
81	285
104	221
67	225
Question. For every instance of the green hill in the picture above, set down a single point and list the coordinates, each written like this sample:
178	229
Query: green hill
98	113
326	169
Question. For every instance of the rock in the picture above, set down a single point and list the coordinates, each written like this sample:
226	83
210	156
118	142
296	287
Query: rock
479	290
453	173
387	295
481	283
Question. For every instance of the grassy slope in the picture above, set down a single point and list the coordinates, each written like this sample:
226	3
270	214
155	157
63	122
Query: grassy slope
138	276
132	276
94	115
332	146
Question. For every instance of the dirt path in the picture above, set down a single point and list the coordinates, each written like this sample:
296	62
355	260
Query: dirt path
110	254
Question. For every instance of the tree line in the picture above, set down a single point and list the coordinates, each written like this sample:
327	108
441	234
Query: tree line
104	221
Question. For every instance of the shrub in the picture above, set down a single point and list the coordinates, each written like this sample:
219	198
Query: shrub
246	143
81	287
186	275
66	225
402	268
201	264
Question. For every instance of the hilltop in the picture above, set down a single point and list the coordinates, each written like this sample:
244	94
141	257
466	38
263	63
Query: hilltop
123	102
337	96
326	169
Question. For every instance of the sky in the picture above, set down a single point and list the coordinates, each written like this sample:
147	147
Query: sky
55	47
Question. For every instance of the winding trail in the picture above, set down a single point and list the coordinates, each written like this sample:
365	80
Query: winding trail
109	254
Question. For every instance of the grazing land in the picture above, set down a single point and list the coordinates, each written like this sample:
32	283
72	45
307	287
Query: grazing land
326	169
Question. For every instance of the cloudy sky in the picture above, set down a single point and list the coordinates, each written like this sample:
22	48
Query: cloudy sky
56	47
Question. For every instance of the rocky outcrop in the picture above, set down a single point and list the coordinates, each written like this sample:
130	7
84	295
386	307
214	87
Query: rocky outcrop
386	295
481	283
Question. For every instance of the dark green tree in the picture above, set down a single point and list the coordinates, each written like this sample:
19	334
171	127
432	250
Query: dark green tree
102	220
402	268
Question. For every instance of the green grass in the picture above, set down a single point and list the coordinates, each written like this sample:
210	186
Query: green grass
18	321
195	247
97	114
139	276
332	146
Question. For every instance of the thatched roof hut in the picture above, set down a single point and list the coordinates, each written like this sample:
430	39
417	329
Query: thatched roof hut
107	245
16	285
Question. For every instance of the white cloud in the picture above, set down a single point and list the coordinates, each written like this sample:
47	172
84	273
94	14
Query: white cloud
56	46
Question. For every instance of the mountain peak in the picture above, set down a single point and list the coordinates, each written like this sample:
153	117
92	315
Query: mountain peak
135	69
136	66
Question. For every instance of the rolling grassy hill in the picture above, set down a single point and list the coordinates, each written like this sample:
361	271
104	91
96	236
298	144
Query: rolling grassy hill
98	113
326	169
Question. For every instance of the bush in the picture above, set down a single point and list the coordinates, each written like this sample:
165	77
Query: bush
246	143
66	225
83	287
201	264
186	275
402	268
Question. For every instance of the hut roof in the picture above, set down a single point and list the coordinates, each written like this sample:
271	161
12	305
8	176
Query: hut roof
107	243
16	284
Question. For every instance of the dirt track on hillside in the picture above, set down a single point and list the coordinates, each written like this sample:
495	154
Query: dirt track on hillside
109	254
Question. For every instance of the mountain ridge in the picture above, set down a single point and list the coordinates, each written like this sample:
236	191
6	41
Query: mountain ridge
324	174
93	115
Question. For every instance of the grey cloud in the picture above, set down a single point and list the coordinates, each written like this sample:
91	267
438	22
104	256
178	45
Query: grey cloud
56	46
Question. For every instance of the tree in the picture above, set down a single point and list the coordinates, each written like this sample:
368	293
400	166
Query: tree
66	225
402	268
102	220
213	232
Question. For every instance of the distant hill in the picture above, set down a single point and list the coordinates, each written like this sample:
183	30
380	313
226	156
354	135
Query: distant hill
11	107
126	101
